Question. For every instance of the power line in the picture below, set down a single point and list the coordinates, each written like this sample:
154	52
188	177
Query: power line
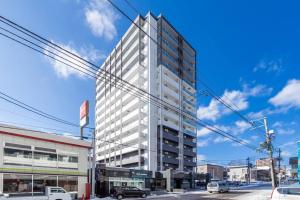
209	89
176	109
32	109
200	124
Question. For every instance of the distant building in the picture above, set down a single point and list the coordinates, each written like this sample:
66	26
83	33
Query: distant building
260	175
293	162
215	171
238	173
264	163
31	160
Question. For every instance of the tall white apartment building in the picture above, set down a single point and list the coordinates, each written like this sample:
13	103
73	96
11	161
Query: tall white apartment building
132	132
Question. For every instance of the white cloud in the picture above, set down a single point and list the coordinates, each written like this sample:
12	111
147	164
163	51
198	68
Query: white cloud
203	143
254	137
289	96
78	68
215	110
286	154
267	112
203	132
277	124
220	139
235	144
269	66
242	126
285	131
101	19
201	157
289	144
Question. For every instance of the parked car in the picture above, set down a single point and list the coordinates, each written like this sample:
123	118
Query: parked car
51	193
121	192
286	193
217	187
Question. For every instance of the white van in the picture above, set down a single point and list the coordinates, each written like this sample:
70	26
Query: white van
217	186
51	193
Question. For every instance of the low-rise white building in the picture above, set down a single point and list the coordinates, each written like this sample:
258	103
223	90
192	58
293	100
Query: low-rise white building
31	160
238	173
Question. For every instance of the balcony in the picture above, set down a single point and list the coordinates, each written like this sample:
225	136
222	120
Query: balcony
188	132
129	160
189	122
170	92
189	153
169	79
188	92
170	114
170	137
189	143
189	163
169	148
170	160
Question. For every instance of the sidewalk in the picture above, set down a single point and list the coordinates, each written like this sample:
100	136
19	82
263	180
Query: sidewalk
258	195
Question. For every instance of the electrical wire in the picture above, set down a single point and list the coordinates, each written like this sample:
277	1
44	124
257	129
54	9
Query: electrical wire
85	69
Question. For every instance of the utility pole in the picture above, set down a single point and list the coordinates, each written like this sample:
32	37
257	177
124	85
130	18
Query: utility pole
279	160
269	148
248	170
93	163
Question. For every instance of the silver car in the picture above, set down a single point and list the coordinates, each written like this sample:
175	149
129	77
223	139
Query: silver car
217	187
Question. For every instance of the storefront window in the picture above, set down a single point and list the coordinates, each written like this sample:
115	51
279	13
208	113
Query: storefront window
69	183
41	181
15	183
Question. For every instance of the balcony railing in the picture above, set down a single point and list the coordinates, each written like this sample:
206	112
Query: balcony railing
174	161
169	148
189	153
189	163
170	137
189	143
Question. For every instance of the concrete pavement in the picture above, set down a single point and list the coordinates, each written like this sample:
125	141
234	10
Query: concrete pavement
258	192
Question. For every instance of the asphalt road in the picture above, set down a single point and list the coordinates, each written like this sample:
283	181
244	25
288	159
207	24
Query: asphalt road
253	193
205	196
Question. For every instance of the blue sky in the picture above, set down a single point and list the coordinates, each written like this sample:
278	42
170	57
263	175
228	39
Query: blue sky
247	51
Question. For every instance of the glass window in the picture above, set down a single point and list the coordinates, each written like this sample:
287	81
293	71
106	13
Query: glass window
17	153
45	156
57	190
65	158
18	146
15	183
45	149
69	183
41	181
53	190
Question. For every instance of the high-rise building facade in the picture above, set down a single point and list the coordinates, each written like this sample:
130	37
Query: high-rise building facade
132	132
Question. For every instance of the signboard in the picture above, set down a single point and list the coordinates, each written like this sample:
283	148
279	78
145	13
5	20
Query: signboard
84	114
140	173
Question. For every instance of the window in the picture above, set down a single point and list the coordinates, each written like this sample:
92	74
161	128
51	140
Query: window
17	153
45	149
57	190
18	146
41	181
45	156
66	158
69	183
15	183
